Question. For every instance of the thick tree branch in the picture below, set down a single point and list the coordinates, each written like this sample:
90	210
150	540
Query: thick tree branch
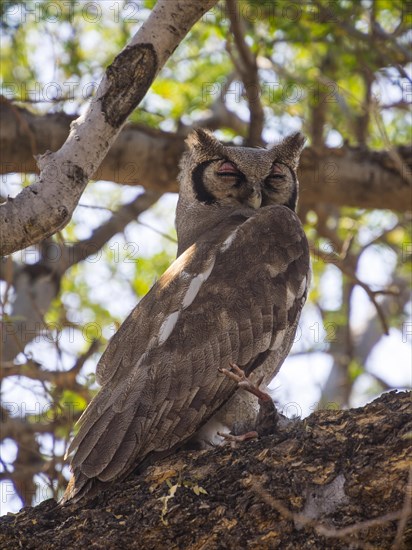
342	177
356	177
46	206
336	480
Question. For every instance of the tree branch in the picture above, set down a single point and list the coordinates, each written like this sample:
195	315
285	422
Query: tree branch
63	380
344	176
47	206
247	68
36	285
281	491
126	214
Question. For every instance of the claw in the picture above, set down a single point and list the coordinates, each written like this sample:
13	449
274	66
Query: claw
267	418
238	375
234	439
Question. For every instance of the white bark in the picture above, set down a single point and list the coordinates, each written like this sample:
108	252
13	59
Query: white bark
47	206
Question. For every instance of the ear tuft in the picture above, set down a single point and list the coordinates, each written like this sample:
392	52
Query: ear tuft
295	142
289	149
204	146
204	140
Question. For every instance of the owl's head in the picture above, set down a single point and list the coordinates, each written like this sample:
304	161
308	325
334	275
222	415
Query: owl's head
216	174
216	179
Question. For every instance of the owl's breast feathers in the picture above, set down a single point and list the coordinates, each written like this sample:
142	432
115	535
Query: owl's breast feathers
234	296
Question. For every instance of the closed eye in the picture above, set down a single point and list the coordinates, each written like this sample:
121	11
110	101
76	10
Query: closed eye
276	173
227	168
275	181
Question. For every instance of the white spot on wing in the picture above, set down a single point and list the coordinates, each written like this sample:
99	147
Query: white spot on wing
278	340
302	287
290	297
195	285
167	326
169	323
228	241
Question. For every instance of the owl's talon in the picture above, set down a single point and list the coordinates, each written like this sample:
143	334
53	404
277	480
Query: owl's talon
234	439
239	376
232	375
267	417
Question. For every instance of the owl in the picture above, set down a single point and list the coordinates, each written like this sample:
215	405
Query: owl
233	296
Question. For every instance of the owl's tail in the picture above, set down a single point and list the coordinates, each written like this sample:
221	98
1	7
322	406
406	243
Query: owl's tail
79	487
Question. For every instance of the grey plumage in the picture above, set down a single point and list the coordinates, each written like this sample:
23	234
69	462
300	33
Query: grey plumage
233	295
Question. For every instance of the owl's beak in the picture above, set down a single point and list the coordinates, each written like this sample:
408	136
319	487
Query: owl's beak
255	199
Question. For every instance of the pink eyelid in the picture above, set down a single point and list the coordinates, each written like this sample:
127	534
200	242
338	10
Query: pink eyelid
228	168
276	169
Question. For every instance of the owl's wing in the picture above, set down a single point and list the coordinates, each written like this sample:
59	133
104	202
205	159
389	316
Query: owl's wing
231	297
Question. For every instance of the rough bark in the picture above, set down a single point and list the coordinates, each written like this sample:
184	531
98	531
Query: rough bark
336	480
142	156
43	208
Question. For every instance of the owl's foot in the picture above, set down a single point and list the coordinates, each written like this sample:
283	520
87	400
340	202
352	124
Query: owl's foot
238	375
267	418
234	439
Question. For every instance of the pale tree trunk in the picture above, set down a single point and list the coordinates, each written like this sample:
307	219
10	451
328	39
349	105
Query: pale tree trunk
47	206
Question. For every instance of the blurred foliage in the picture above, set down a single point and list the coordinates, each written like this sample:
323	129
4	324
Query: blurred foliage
339	68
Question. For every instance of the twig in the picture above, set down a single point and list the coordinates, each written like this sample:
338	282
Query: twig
399	163
96	207
371	293
387	44
347	263
64	379
161	233
126	214
247	67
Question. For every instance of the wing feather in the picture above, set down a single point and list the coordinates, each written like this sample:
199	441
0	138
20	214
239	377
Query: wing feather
108	443
90	438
